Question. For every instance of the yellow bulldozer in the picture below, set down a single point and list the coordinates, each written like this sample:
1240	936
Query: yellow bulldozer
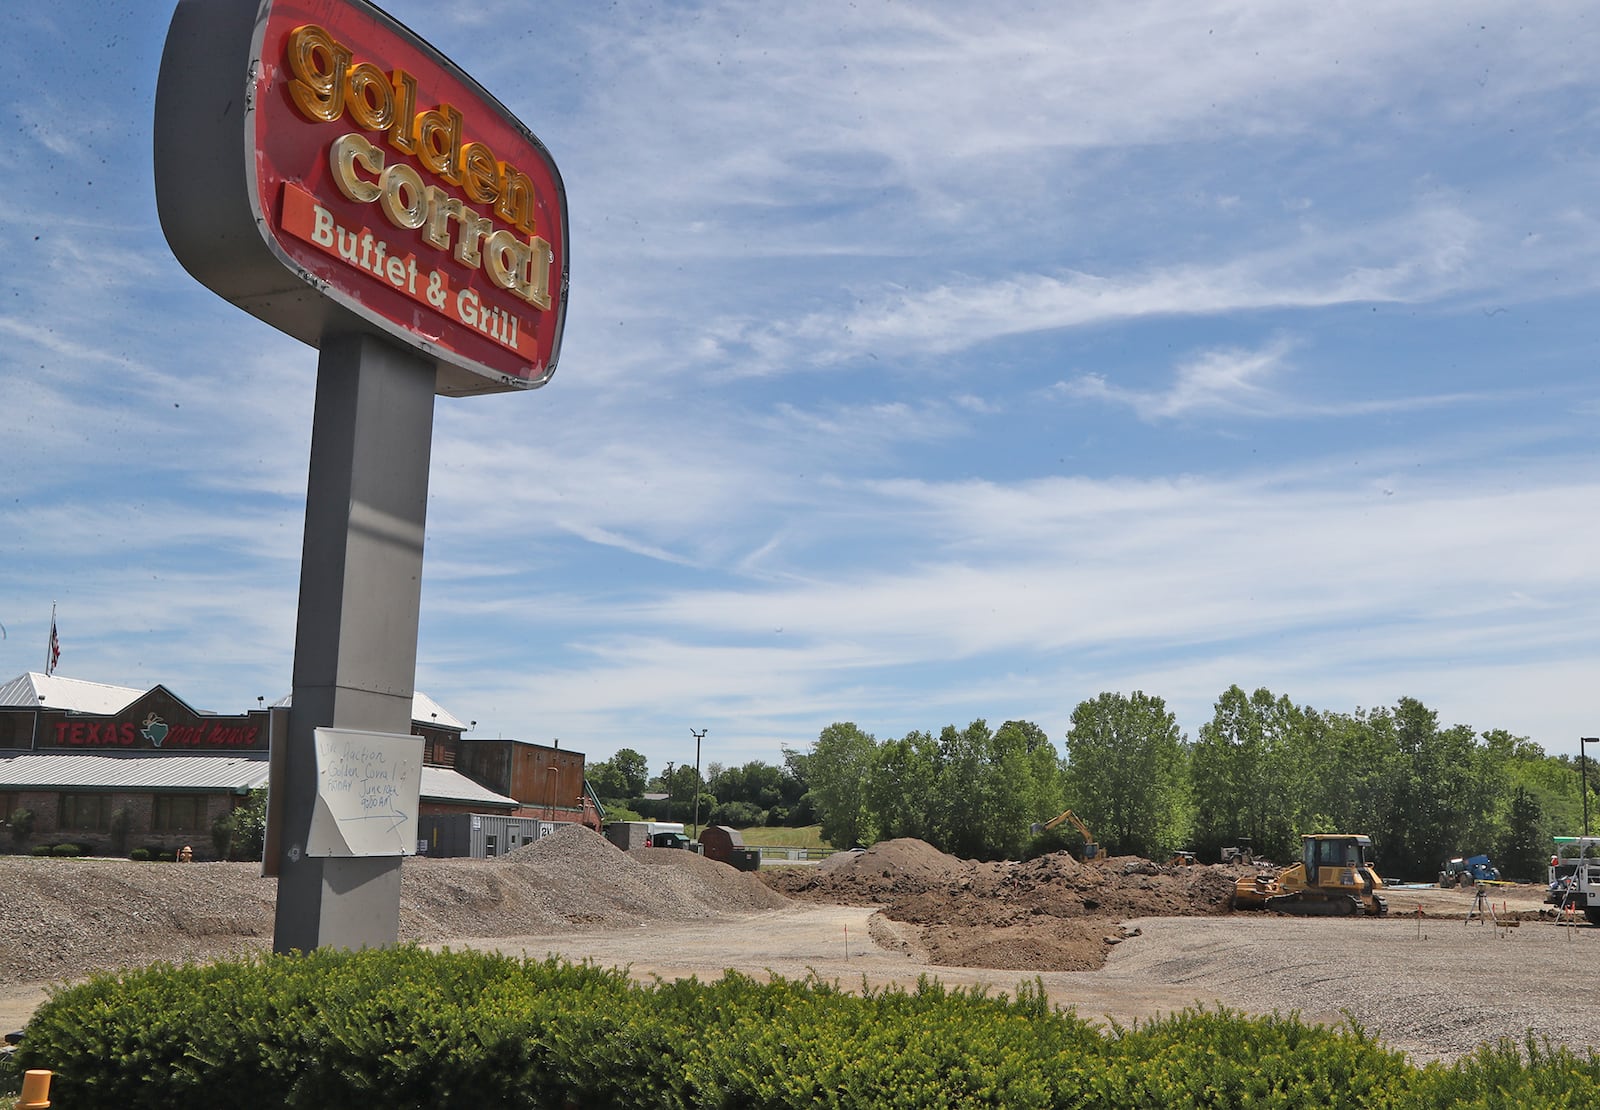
1335	877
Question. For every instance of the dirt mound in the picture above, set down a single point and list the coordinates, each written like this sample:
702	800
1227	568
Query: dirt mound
900	857
1048	914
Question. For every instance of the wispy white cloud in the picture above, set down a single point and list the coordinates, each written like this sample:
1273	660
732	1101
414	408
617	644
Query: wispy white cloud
1229	381
1236	382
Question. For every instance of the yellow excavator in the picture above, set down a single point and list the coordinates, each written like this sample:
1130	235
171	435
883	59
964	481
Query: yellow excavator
1334	878
1091	850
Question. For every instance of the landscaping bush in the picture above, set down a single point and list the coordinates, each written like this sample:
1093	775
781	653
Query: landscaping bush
67	850
404	1027
139	855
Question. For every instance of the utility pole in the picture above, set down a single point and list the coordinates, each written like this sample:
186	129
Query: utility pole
670	766
698	736
1583	768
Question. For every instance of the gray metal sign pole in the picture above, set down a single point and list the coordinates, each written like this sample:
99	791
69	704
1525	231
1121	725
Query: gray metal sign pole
355	652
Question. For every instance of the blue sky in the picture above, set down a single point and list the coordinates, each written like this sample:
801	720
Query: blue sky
924	362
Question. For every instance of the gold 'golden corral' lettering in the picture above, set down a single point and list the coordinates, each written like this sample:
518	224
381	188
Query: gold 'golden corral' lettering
328	81
408	201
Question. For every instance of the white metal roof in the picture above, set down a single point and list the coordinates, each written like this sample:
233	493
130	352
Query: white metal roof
440	784
210	773
132	771
32	690
424	711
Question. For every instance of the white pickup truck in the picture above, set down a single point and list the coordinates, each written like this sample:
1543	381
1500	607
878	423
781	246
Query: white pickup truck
1575	875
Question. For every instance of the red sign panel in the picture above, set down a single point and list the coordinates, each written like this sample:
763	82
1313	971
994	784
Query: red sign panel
379	174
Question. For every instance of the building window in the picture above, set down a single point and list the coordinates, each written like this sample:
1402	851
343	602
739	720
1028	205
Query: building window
178	813
91	812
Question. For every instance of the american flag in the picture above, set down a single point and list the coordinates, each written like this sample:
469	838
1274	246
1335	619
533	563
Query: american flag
53	656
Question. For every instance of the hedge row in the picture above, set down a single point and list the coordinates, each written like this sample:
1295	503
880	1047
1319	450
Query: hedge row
408	1028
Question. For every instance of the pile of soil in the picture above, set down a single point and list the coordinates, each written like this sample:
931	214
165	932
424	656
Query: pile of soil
1048	914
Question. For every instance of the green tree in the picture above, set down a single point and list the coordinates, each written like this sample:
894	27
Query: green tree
1340	774
1440	799
839	766
241	832
902	790
604	780
633	770
798	801
756	783
1555	785
1022	785
1126	772
957	817
1522	854
1239	770
622	777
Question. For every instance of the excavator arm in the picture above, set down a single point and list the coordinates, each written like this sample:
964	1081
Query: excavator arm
1091	850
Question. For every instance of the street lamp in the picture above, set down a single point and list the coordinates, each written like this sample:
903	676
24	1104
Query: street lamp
698	736
1583	768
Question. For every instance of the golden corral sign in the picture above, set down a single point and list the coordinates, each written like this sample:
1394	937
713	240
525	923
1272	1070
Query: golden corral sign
323	168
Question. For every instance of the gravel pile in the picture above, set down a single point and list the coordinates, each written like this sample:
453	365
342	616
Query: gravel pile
574	877
62	919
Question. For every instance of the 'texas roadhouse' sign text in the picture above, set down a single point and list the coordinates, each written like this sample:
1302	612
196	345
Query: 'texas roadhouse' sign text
391	183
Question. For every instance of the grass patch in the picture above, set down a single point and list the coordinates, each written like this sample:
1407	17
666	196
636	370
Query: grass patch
778	836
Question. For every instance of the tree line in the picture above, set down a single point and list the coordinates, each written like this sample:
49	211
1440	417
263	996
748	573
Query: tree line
756	793
1263	770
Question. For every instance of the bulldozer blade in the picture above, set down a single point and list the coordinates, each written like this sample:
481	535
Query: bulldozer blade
1302	905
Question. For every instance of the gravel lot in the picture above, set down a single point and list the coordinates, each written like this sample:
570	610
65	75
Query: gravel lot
1436	986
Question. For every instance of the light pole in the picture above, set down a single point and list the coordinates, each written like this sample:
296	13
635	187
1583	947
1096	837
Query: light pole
698	736
1583	768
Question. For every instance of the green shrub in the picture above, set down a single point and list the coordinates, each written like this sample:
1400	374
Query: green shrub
404	1027
41	850
67	850
139	855
1501	1075
241	832
1218	1058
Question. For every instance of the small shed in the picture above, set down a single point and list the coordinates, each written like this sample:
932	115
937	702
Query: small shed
725	845
720	841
